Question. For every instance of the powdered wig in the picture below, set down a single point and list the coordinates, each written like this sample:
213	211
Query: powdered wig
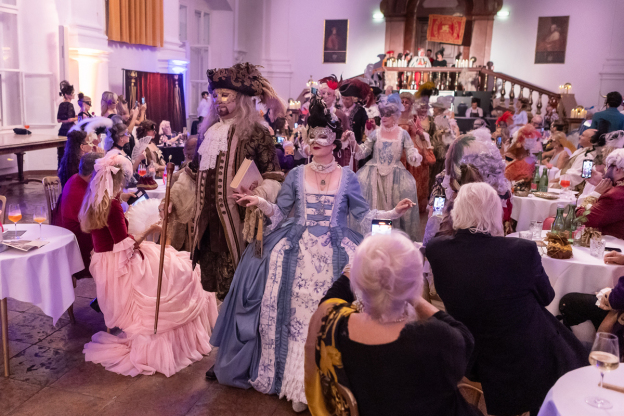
615	158
246	116
386	274
479	208
109	101
391	103
164	124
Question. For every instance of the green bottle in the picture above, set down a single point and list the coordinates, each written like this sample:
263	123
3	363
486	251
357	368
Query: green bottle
543	184
558	227
536	180
570	222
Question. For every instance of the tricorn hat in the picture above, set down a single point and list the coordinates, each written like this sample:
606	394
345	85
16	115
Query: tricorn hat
245	78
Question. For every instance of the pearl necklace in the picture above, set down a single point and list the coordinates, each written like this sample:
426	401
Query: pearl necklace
390	130
321	168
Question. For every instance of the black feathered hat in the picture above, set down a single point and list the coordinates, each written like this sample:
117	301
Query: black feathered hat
66	88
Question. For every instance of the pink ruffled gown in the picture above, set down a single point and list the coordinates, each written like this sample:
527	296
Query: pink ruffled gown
126	280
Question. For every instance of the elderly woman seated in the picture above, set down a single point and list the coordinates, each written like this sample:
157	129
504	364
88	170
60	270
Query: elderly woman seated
497	287
523	166
396	353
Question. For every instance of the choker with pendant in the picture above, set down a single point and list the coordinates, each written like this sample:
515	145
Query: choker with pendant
321	168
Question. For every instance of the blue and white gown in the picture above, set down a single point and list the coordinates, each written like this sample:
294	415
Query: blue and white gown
384	179
263	323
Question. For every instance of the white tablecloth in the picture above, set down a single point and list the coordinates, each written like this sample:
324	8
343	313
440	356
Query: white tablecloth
42	276
582	273
567	396
531	208
158	193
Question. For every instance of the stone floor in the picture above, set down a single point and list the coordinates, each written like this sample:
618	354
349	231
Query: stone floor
49	375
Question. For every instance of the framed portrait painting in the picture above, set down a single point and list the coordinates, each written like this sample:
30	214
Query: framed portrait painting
335	39
552	39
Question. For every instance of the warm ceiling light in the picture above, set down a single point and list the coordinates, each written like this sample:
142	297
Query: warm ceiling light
378	16
503	13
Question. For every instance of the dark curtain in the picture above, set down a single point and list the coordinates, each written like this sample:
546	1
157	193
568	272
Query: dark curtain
164	96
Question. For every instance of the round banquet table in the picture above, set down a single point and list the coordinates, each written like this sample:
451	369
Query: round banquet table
41	276
567	396
582	273
531	208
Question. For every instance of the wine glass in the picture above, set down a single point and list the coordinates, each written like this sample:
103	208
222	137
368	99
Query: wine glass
40	217
142	169
564	181
15	214
605	357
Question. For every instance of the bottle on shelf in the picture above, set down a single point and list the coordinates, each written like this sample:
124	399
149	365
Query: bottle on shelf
558	226
543	184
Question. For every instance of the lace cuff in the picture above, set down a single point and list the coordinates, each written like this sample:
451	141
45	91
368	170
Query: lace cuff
603	299
272	211
414	157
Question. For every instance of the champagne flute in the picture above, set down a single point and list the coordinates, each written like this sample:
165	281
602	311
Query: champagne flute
605	357
15	214
142	169
39	217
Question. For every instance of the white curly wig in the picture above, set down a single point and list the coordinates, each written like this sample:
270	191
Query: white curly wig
616	158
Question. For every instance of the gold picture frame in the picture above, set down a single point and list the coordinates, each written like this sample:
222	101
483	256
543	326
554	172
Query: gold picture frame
335	41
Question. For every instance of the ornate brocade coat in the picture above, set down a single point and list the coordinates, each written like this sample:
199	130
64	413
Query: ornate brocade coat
259	147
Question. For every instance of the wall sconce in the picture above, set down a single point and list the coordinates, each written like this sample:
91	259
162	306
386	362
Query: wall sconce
378	16
177	66
503	14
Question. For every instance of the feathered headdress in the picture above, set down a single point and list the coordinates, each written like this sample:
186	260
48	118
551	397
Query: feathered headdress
485	157
102	182
356	88
507	117
90	125
320	118
444	102
615	139
391	102
527	136
425	90
331	81
245	78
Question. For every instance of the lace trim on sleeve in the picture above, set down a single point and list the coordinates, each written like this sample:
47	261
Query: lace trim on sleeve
272	211
414	157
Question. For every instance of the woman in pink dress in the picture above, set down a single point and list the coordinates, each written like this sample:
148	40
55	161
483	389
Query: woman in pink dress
125	271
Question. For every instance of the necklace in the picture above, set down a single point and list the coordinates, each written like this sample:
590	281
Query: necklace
322	183
387	130
321	168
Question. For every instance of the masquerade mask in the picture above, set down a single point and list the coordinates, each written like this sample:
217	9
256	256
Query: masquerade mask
387	112
87	103
323	136
222	96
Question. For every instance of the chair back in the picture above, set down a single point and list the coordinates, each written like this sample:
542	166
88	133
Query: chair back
548	222
52	187
2	208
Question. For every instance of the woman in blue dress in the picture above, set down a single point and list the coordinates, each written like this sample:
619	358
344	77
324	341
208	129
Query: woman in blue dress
384	179
263	322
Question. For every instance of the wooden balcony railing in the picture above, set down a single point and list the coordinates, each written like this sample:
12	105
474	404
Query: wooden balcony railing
486	80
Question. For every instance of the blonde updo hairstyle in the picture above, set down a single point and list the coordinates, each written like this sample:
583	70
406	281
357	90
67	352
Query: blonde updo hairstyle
109	101
386	274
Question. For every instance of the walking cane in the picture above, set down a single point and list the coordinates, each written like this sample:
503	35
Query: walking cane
163	241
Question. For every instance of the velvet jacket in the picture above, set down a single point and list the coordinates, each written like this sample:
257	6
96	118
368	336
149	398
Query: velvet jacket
607	212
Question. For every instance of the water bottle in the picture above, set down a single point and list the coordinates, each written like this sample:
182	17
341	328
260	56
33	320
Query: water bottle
558	226
570	222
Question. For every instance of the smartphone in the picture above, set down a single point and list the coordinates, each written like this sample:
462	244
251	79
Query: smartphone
588	164
141	195
142	100
136	104
613	249
296	125
279	140
438	205
381	227
499	142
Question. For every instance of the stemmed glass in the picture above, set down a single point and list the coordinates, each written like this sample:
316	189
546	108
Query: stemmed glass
605	357
142	169
15	214
564	181
40	217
